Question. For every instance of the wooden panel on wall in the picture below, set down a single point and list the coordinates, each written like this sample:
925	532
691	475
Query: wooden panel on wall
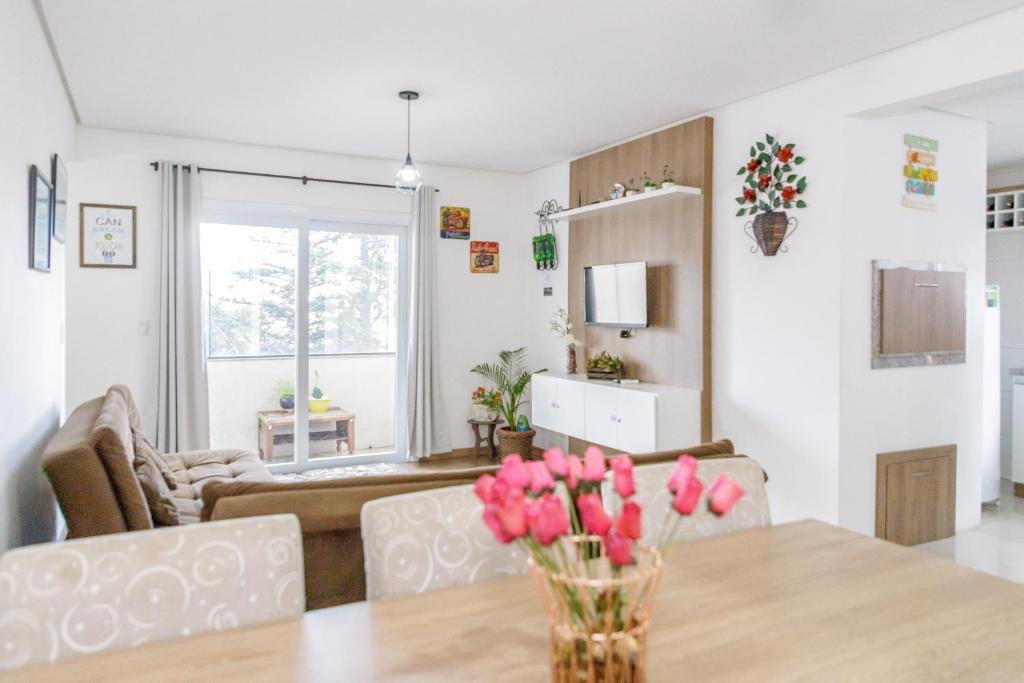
915	495
673	235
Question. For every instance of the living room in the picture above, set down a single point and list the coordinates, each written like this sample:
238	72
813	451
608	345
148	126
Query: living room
286	274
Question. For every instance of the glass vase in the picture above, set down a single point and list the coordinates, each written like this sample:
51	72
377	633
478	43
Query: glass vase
570	363
598	614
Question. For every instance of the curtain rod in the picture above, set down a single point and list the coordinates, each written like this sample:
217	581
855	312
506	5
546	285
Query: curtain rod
305	179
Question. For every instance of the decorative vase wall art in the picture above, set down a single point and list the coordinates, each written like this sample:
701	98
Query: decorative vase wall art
771	183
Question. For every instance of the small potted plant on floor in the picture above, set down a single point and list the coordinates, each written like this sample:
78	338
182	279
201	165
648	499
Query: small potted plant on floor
510	379
649	185
318	403
666	177
486	404
285	390
604	366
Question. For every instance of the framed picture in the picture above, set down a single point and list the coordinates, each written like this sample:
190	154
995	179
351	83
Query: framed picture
455	222
59	175
106	236
39	204
483	257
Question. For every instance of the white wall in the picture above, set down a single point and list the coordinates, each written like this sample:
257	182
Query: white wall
902	408
35	121
479	314
1005	177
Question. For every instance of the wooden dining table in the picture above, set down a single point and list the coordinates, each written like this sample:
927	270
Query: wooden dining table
802	601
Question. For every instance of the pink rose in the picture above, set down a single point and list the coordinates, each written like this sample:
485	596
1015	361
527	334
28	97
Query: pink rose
593	464
629	523
494	524
595	520
619	548
514	471
540	478
723	495
512	513
548	519
556	461
622	468
687	498
686	468
484	488
575	471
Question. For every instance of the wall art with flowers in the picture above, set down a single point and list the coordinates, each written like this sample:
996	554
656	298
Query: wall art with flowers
770	186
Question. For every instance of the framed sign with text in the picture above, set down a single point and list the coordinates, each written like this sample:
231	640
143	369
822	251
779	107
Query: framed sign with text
106	236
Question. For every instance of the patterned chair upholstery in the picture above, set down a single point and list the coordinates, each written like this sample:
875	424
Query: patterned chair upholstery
428	540
653	495
61	600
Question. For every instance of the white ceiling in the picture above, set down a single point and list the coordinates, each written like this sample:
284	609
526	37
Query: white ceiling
1002	108
506	85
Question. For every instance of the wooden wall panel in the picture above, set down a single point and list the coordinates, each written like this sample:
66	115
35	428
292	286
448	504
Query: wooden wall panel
673	235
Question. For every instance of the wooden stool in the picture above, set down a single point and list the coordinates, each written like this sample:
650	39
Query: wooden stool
481	441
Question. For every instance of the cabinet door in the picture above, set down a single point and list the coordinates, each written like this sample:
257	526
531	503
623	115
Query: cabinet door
570	402
543	399
919	504
601	415
635	416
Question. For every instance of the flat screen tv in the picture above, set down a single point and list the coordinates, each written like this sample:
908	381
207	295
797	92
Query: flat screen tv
616	295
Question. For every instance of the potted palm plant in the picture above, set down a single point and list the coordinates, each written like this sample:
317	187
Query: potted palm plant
511	378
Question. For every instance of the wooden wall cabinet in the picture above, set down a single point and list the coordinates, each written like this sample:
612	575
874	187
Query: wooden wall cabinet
915	495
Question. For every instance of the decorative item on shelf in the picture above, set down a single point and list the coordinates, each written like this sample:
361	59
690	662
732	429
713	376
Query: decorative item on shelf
631	188
483	257
511	378
486	404
285	390
562	327
604	366
618	191
545	251
318	403
597	581
649	185
455	222
919	170
771	183
667	179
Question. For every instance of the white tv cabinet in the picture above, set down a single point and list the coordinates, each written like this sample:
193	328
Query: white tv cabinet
635	418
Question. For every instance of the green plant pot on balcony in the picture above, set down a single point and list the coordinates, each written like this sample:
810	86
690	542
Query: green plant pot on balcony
319	405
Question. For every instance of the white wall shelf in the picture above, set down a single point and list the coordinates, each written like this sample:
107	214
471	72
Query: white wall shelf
1004	210
670	191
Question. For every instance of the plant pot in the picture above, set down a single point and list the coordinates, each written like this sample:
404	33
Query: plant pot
630	193
604	374
319	405
771	229
667	183
286	402
481	413
510	441
649	188
610	647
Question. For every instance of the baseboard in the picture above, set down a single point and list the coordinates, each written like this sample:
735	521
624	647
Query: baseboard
470	452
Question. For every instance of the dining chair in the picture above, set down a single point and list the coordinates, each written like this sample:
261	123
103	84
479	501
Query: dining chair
428	540
62	600
654	497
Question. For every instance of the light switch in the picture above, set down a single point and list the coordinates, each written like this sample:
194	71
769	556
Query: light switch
143	328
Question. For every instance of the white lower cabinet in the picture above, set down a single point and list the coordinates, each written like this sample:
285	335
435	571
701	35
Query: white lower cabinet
635	418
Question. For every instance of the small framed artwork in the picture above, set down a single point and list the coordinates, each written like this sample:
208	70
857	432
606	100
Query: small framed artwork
455	222
483	257
106	236
59	175
39	204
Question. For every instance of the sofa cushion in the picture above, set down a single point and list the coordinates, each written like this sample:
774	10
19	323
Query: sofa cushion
153	475
193	470
111	438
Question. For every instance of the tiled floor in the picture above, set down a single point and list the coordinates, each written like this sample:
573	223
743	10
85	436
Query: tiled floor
996	546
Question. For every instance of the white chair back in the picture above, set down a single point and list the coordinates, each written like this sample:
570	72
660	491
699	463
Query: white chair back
654	497
428	540
61	600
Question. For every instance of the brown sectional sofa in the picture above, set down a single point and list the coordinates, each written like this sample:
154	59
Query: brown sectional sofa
99	495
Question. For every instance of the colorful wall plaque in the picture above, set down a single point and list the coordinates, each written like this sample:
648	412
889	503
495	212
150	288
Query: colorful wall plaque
919	172
483	257
106	236
455	222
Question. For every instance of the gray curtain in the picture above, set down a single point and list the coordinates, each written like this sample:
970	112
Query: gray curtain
183	416
427	417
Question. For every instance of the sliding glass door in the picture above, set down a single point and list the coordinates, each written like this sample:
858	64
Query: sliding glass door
312	309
